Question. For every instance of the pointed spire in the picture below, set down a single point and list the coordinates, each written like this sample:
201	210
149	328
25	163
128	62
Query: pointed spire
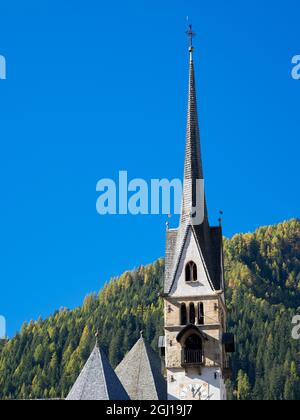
97	380
140	373
193	169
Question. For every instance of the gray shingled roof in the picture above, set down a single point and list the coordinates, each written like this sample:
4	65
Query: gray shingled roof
97	380
209	239
193	168
140	373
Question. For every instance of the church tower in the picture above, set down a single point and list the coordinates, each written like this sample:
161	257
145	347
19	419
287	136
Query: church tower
196	343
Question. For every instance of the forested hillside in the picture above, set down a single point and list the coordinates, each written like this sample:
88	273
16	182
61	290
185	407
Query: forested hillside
263	294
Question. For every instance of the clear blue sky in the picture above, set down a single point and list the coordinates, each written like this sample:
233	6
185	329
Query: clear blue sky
96	87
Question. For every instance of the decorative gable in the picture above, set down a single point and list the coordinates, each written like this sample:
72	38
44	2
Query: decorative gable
199	284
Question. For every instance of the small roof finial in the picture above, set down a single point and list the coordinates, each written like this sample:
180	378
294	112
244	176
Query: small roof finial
97	337
191	35
142	333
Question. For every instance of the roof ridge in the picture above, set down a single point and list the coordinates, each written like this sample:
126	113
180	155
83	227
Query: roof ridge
153	367
140	363
102	371
147	348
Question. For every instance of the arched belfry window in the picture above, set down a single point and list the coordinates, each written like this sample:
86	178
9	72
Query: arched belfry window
193	350
193	342
192	314
191	272
183	314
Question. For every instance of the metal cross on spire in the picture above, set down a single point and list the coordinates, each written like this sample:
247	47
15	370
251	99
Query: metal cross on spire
191	34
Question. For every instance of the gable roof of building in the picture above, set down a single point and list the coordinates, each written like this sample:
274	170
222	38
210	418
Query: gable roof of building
97	380
140	373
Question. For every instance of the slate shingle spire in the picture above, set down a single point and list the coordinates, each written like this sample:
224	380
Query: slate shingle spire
140	373
97	380
193	169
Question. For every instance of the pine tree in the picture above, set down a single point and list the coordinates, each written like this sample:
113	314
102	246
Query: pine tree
292	384
243	386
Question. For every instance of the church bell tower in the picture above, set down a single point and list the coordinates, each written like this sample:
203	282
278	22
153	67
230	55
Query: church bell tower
196	342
